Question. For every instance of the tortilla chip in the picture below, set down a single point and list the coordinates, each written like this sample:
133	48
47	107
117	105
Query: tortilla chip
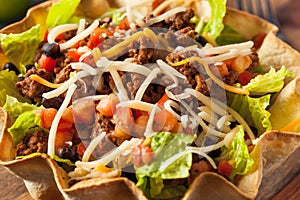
275	53
237	20
46	180
285	109
280	152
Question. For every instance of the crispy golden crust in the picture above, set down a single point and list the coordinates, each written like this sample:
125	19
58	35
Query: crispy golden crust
46	180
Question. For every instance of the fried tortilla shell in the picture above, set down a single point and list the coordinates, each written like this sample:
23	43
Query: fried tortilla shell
45	179
287	104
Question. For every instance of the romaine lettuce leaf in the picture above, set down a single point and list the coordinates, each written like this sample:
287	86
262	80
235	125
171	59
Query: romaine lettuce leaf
61	12
8	81
239	154
14	108
27	122
164	146
229	36
253	110
272	81
215	24
20	48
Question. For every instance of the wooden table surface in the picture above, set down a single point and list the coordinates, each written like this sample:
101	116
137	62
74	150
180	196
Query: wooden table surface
12	188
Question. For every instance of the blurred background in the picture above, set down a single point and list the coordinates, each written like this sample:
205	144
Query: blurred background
14	10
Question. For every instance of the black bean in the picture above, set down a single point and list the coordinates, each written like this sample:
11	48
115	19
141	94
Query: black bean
201	40
11	67
66	152
51	49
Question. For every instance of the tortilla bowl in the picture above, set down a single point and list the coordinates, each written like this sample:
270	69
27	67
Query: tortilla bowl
52	183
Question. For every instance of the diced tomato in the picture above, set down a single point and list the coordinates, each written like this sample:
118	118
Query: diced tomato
258	40
224	168
47	116
68	114
124	118
223	70
62	137
60	37
84	112
137	113
166	119
140	125
244	78
162	100
74	55
96	37
143	155
47	63
64	125
124	24
156	3
81	149
107	105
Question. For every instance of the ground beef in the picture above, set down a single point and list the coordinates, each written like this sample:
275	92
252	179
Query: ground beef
33	142
53	102
105	84
255	60
180	20
132	82
183	37
103	124
141	49
232	77
175	22
153	93
32	89
192	70
63	75
198	168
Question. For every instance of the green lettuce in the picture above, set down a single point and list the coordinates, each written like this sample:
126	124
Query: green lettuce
215	24
20	48
14	108
61	12
238	152
164	146
253	110
272	81
8	81
229	36
27	122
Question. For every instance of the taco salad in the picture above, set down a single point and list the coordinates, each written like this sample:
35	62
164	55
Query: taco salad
155	93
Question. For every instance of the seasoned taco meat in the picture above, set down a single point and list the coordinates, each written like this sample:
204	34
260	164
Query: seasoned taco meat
32	89
34	142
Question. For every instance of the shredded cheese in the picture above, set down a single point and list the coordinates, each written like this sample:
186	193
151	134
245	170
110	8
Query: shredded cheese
167	69
120	47
165	15
118	82
227	48
136	104
81	26
167	106
146	83
42	81
213	77
60	90
53	33
112	155
149	130
80	36
53	129
85	67
92	146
